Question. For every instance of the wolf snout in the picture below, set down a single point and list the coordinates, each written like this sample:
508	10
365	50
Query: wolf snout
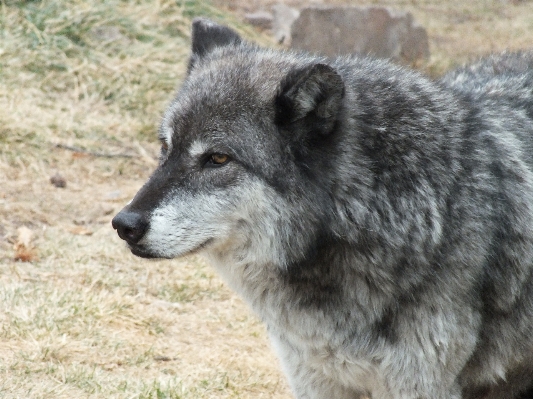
130	226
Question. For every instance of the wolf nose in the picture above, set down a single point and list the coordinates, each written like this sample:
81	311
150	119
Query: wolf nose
130	226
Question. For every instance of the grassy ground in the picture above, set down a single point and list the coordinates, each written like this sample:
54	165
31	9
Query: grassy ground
82	86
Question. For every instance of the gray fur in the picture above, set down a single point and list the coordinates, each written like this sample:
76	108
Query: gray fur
378	222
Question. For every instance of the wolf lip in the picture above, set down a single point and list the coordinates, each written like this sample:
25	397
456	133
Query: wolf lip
141	252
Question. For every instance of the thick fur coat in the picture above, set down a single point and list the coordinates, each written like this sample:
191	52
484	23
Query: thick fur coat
378	222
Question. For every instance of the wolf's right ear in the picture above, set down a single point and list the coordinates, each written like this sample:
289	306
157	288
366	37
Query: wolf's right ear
207	35
309	100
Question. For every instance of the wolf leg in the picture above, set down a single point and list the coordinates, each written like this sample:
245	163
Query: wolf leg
309	383
308	377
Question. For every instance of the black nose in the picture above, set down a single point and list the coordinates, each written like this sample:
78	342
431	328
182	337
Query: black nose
130	226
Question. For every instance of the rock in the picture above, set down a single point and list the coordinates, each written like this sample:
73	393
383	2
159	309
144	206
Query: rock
377	31
58	181
261	19
113	195
284	16
80	231
24	248
107	33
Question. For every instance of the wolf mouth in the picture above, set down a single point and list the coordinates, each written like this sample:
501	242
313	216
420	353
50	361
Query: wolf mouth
142	252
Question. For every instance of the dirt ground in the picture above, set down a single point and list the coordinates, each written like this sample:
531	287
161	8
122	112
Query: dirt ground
82	88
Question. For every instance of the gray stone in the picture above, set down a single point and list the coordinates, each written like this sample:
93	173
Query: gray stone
261	19
377	31
107	33
284	17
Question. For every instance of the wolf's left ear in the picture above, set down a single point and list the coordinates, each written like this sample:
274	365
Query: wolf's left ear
309	99
207	35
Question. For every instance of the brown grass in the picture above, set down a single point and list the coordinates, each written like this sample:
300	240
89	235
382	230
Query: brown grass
79	316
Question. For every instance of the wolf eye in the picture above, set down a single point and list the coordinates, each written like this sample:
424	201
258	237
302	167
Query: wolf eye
217	160
163	152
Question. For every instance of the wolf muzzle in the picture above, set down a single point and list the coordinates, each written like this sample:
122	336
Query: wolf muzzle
130	226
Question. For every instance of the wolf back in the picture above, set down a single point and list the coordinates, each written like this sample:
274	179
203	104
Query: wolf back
378	222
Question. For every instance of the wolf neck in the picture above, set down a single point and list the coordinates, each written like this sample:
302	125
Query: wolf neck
315	287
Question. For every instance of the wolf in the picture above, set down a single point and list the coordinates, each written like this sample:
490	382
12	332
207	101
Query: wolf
380	223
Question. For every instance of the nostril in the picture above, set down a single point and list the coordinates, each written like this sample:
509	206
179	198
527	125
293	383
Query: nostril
130	226
129	234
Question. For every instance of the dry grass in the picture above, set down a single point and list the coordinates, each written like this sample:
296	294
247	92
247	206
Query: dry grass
82	318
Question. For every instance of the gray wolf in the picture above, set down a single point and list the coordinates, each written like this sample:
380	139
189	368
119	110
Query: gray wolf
378	222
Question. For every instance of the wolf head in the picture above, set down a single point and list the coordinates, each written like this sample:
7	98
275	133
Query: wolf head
241	145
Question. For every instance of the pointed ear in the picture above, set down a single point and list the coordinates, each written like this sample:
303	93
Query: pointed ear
309	99
207	35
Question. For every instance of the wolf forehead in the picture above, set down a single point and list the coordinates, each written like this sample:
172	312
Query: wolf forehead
227	90
221	88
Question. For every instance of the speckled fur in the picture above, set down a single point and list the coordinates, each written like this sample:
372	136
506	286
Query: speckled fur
378	222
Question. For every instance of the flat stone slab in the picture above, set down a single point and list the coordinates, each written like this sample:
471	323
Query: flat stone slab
261	19
284	17
376	31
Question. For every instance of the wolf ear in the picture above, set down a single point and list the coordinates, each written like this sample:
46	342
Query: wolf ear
207	35
309	99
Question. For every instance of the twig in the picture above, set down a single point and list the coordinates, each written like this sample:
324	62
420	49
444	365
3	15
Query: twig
93	153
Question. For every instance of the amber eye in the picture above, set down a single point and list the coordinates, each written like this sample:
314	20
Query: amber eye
218	159
164	146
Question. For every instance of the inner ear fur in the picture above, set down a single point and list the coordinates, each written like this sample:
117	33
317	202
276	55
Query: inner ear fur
311	98
208	35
